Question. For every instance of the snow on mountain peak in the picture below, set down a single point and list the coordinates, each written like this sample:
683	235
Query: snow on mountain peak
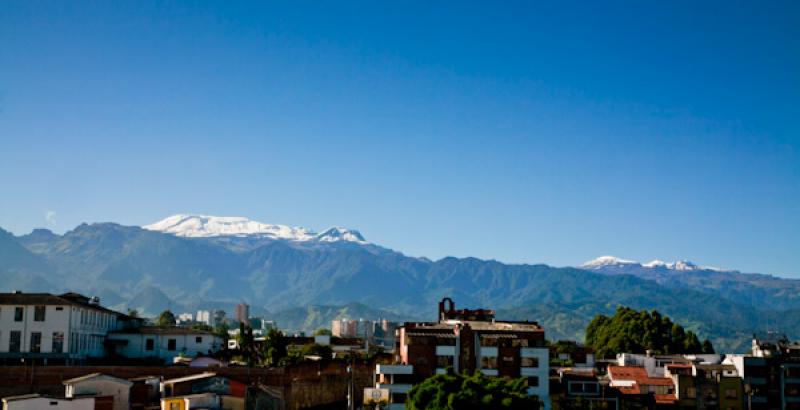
607	261
203	226
656	263
339	233
611	261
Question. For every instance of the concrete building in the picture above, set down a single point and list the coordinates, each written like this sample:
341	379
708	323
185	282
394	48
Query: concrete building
39	402
376	332
634	381
242	312
706	386
467	340
770	374
97	384
205	390
54	329
165	343
203	316
217	318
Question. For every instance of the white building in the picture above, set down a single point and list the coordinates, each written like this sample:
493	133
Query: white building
39	402
165	343
655	365
97	384
203	316
63	328
185	318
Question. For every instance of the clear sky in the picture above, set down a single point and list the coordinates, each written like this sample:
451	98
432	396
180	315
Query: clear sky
521	132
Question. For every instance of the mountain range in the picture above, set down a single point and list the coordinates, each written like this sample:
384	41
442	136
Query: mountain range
304	279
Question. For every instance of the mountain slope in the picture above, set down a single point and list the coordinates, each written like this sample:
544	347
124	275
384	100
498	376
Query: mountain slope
151	270
745	288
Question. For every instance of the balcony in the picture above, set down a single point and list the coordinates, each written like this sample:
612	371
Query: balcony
394	388
394	369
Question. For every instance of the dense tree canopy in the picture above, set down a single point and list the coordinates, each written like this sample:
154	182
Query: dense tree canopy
637	332
166	318
458	391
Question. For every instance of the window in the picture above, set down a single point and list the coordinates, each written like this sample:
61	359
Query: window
18	313
172	344
444	361
198	339
58	342
149	344
691	392
529	362
14	341
488	362
36	342
730	393
59	308
38	314
533	381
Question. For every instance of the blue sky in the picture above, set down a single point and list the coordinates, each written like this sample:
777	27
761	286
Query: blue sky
520	132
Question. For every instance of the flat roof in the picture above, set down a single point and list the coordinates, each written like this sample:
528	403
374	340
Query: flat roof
493	326
162	330
199	376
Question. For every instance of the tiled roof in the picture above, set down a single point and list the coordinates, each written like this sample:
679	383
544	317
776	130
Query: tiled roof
640	378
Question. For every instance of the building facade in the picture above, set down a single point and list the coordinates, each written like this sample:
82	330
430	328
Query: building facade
164	343
242	312
50	328
467	340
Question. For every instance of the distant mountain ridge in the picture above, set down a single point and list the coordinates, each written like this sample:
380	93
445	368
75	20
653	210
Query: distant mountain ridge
205	226
151	270
752	289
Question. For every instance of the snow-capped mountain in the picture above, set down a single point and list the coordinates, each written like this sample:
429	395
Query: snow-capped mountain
614	263
207	226
607	261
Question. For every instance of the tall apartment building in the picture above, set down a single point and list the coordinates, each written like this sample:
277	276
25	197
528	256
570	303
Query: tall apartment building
242	312
466	340
770	374
377	332
204	316
55	328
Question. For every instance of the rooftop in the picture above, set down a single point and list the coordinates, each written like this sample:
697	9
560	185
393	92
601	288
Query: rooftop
93	376
163	330
70	298
198	376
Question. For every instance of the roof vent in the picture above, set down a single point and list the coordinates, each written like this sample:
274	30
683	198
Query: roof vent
17	292
94	300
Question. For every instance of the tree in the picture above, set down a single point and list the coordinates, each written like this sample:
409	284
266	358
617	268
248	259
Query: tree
166	318
708	347
247	344
222	331
313	349
637	332
273	350
456	391
133	313
323	332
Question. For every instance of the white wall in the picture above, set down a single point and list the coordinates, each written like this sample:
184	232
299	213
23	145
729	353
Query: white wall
186	344
542	372
55	320
102	386
40	403
84	329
